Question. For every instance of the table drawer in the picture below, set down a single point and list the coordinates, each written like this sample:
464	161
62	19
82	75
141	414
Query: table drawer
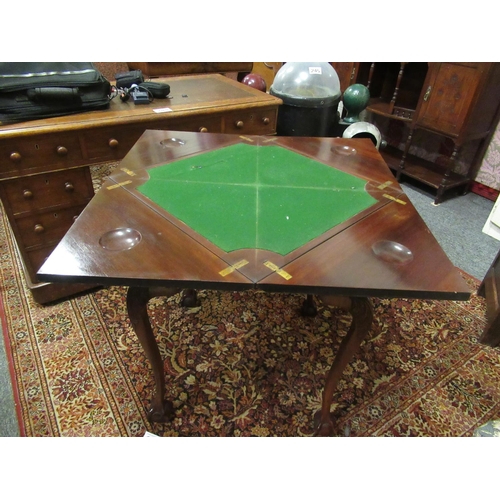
38	154
256	122
46	228
37	192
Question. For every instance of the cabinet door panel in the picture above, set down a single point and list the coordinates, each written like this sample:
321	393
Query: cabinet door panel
448	96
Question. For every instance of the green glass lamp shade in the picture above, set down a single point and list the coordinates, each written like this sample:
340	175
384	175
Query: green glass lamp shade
355	100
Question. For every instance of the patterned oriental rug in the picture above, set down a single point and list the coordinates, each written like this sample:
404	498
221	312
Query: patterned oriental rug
243	364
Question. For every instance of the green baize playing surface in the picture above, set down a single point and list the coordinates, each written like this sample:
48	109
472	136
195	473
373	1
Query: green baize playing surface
264	197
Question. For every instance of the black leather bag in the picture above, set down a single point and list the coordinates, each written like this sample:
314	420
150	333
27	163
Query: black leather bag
128	78
31	90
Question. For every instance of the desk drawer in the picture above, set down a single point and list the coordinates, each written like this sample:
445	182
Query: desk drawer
256	122
46	228
109	143
35	259
113	143
28	155
196	124
36	192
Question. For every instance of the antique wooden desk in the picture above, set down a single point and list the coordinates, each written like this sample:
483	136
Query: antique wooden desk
45	179
317	216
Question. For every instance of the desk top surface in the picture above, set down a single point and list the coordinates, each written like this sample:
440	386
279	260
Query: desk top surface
310	215
188	95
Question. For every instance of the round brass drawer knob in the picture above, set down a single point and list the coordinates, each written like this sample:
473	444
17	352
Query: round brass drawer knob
239	124
266	121
203	129
15	156
69	187
39	228
28	194
113	143
62	151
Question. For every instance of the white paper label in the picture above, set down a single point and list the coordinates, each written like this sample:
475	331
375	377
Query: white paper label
162	110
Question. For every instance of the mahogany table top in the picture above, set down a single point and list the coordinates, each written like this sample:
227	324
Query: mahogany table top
147	225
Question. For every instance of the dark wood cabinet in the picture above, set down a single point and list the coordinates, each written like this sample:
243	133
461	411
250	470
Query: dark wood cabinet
449	93
457	103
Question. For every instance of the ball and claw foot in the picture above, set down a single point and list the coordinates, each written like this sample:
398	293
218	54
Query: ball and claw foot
190	299
309	307
322	429
165	415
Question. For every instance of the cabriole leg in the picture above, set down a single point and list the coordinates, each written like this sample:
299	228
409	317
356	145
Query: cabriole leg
137	302
361	311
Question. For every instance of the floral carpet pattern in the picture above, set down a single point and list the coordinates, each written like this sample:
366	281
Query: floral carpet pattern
244	364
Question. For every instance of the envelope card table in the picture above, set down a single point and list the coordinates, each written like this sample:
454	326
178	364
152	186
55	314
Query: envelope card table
322	217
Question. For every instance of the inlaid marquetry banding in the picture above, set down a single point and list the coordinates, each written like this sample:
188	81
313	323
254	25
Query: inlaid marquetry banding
389	197
277	270
385	184
230	269
114	186
129	172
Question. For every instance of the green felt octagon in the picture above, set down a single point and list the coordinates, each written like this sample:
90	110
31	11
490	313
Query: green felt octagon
264	197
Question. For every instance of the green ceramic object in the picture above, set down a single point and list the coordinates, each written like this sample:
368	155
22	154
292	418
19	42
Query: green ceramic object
355	100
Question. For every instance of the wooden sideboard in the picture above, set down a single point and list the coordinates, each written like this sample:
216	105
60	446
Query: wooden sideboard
45	179
454	102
